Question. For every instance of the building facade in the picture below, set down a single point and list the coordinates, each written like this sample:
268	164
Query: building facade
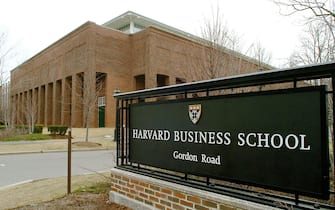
72	81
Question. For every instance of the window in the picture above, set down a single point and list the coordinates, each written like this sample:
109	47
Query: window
180	80
162	80
101	101
140	82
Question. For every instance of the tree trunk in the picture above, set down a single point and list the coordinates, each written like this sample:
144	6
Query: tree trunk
87	124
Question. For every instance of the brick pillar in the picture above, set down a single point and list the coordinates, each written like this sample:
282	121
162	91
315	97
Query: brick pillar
41	98
66	101
12	108
49	104
38	102
57	97
76	101
90	98
150	80
110	101
24	107
36	105
17	108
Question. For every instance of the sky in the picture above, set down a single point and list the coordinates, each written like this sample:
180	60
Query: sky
33	25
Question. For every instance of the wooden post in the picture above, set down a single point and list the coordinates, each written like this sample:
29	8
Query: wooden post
69	151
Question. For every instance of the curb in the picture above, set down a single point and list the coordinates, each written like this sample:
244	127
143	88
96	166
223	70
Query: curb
16	184
14	147
51	151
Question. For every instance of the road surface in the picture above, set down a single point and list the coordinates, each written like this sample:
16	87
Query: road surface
18	168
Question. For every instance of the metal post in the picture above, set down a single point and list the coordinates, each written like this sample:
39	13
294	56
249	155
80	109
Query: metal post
296	198
122	144
127	124
69	151
332	133
117	132
207	181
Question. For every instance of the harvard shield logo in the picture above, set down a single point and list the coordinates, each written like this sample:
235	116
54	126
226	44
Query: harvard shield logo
194	112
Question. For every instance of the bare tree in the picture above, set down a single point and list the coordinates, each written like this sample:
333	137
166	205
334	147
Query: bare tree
88	90
260	54
221	55
5	54
313	10
30	110
219	44
218	52
27	106
317	45
5	104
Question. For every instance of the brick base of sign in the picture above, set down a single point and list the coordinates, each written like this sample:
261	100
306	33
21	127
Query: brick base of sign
142	192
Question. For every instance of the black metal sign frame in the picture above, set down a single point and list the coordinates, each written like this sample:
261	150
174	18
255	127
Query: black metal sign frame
237	136
193	93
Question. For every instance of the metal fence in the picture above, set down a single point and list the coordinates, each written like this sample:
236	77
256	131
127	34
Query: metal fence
312	75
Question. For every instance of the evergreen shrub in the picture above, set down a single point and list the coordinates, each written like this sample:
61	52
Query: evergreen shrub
57	129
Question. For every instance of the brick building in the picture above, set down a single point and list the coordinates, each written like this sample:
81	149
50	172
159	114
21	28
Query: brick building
83	69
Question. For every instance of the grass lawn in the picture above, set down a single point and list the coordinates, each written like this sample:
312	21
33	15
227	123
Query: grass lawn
32	137
96	188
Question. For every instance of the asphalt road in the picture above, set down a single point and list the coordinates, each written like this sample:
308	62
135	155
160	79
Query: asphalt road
19	168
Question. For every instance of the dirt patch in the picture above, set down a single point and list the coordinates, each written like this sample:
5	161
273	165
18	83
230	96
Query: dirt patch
79	201
86	144
53	192
88	192
55	136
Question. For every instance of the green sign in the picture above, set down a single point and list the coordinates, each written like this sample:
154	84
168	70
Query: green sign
274	139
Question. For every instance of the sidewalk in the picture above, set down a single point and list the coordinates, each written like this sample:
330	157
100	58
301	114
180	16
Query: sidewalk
99	138
97	143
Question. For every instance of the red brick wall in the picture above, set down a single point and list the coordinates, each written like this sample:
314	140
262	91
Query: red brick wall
164	195
160	197
122	57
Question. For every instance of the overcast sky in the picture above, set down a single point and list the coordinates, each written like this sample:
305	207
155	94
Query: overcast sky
32	25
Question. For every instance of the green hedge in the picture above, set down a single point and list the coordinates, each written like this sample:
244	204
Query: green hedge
57	129
23	127
38	128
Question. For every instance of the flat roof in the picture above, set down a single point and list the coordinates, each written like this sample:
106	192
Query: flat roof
307	72
130	16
